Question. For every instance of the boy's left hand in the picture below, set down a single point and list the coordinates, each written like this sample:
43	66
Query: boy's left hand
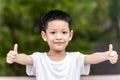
112	55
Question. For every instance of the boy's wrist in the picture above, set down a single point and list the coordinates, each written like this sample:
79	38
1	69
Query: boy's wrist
16	58
106	55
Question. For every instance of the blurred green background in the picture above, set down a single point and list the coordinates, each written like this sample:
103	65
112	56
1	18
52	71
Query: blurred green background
95	23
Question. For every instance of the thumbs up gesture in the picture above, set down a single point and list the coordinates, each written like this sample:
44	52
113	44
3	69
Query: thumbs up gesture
12	54
112	55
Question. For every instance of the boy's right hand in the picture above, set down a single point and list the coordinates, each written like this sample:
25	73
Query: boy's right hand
12	54
112	55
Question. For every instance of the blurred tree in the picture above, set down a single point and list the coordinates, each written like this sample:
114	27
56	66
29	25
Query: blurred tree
115	16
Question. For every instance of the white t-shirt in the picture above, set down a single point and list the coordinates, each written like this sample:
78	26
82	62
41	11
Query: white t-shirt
70	68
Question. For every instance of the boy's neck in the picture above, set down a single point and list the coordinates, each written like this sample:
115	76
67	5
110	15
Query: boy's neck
56	55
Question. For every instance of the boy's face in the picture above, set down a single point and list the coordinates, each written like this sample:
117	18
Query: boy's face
57	35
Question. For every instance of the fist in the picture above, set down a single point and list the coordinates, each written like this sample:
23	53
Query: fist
112	55
11	55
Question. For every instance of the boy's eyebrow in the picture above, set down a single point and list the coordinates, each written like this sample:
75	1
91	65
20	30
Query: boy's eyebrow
62	29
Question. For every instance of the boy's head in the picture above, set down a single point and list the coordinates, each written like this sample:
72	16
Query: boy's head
55	15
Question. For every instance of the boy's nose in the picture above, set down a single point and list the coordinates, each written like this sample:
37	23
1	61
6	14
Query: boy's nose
59	36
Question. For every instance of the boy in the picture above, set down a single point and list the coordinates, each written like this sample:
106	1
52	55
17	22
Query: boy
57	64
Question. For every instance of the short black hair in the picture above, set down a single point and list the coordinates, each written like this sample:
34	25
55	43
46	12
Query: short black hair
55	15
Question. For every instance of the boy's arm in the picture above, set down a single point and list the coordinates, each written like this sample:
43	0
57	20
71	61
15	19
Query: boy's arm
102	56
23	59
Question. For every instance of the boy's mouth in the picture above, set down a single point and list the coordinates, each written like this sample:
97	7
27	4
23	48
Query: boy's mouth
59	43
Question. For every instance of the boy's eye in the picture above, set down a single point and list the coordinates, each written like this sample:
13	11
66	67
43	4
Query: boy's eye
52	32
64	32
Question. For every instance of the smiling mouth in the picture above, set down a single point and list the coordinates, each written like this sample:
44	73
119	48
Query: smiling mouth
59	43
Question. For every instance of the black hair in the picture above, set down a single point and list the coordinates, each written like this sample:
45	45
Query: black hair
55	15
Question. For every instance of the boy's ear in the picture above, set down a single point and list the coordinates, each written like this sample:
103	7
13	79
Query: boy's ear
43	35
71	35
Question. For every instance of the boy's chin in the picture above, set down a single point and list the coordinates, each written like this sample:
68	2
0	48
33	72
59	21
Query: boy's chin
59	49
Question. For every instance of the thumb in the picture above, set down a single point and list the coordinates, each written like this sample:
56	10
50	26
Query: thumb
110	48
16	48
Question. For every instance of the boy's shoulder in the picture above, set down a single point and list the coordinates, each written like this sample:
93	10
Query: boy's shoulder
75	53
39	53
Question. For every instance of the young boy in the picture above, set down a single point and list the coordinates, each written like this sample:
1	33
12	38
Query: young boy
57	64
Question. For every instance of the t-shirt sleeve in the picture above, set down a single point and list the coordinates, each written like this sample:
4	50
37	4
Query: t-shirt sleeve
84	69
31	69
